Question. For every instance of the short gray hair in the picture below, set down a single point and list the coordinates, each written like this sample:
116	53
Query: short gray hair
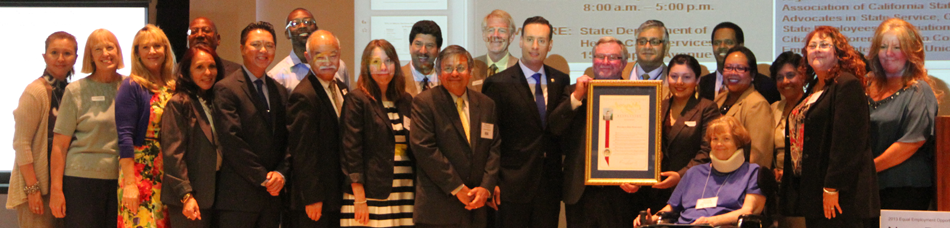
450	51
610	39
655	24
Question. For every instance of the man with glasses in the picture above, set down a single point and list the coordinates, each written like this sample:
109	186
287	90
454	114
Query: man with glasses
725	36
202	31
425	41
590	206
498	32
292	69
653	42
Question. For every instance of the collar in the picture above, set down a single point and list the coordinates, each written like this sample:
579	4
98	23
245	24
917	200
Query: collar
253	77
528	72
501	64
454	98
325	84
656	74
296	61
418	76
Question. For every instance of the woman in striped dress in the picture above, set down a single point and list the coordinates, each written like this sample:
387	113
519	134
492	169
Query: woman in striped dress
379	188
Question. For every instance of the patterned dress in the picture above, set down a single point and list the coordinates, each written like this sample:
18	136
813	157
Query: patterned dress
395	211
148	171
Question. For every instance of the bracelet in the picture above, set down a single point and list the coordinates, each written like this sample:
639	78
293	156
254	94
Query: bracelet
359	202
32	188
185	198
829	192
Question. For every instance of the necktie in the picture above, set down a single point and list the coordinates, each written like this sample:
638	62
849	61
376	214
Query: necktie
336	99
645	76
492	70
425	83
260	93
539	96
460	105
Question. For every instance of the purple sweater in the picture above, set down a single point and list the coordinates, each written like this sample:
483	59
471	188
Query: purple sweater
132	109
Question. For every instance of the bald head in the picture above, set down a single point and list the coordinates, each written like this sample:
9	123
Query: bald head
202	31
323	51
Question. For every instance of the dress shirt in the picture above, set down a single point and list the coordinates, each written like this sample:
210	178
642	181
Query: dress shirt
502	63
531	82
719	82
289	71
263	86
418	76
656	74
465	100
326	88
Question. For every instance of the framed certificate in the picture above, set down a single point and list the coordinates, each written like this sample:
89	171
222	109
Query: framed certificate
623	132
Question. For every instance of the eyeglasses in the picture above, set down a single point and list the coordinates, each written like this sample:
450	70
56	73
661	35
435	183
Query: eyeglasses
740	69
494	29
654	42
609	57
304	21
196	31
261	45
459	69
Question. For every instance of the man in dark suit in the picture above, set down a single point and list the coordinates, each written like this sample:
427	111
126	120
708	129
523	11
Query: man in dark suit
453	136
313	112
202	31
589	206
725	36
253	134
530	177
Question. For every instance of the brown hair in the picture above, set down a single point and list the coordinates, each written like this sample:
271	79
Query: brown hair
366	83
911	45
728	124
848	59
141	74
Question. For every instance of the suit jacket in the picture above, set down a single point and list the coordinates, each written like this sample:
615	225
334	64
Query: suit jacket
763	84
836	153
190	150
369	142
446	160
314	144
684	146
253	140
528	149
755	114
481	73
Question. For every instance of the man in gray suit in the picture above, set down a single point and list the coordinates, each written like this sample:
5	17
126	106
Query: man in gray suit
454	138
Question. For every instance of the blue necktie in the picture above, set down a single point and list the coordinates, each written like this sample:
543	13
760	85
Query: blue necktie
260	93
539	96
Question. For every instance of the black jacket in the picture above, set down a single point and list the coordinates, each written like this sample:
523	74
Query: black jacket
369	143
314	142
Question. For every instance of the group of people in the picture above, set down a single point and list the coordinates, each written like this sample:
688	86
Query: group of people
451	140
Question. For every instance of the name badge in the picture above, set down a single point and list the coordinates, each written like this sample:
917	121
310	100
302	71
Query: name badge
98	98
406	122
488	131
477	82
691	123
707	202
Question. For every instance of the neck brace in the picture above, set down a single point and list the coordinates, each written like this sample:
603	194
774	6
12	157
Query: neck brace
728	165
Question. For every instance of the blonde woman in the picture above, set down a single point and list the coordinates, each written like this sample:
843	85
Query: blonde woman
139	106
35	117
84	165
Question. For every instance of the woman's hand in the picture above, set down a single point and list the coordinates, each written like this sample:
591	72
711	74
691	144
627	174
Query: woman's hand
830	203
361	212
672	179
57	203
191	210
130	196
630	188
36	202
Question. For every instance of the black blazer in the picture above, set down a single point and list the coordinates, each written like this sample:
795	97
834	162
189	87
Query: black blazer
446	160
369	143
687	148
571	130
528	149
314	144
763	84
836	154
253	141
190	152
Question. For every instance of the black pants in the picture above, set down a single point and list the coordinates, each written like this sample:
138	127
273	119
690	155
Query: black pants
178	220
328	219
90	202
840	222
541	212
267	217
906	198
600	207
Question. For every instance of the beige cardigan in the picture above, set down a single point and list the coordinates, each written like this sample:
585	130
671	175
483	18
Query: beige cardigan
30	140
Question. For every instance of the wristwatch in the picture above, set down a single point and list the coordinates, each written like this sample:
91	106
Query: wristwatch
186	197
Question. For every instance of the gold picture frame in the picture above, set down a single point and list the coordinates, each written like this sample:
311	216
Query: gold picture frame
633	107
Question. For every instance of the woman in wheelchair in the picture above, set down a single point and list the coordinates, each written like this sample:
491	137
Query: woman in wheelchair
718	193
